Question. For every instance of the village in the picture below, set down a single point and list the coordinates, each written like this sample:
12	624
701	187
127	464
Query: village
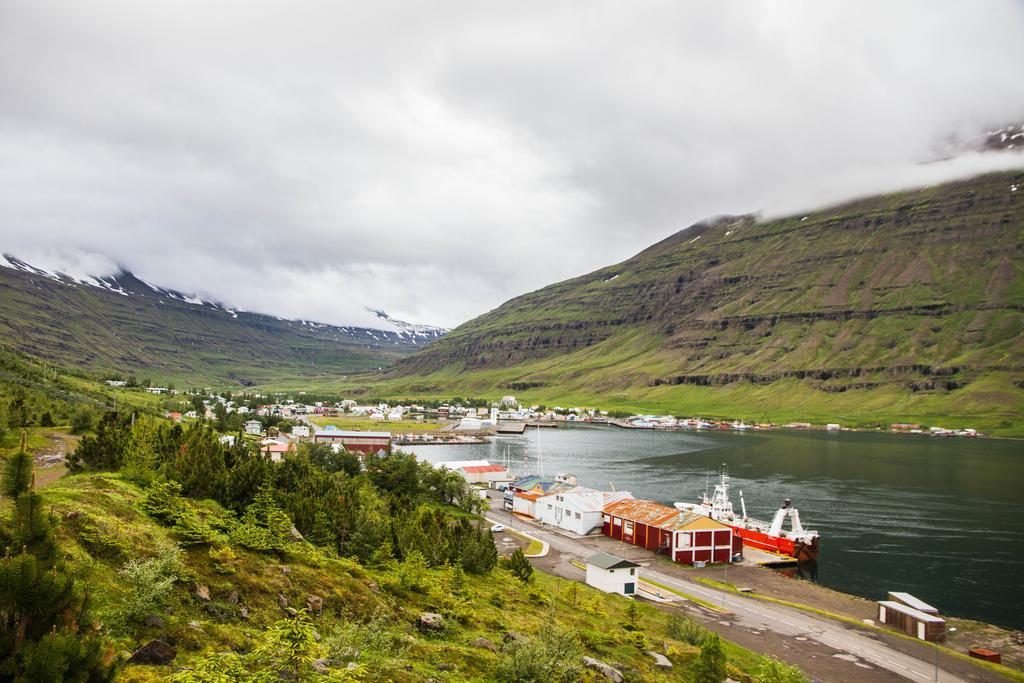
458	422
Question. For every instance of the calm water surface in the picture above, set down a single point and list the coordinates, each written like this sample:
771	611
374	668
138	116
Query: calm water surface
940	518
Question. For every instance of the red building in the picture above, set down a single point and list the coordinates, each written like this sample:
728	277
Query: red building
356	442
686	537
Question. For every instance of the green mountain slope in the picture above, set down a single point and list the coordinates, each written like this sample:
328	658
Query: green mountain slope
906	306
122	324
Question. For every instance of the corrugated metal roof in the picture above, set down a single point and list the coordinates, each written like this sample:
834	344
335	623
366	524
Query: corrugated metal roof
655	514
544	486
480	469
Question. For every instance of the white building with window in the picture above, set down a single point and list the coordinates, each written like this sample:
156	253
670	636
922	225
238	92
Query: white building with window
577	510
612	574
253	427
300	431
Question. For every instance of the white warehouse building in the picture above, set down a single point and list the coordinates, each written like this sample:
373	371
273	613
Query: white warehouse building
578	509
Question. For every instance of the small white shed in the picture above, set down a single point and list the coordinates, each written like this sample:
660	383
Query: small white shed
300	431
612	574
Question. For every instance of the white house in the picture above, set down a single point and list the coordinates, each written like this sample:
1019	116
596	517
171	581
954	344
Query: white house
117	382
228	440
253	427
157	390
300	430
612	574
577	510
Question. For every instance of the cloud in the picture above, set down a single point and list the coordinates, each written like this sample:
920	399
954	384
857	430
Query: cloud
311	160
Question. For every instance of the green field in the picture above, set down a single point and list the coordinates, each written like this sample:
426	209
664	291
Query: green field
361	424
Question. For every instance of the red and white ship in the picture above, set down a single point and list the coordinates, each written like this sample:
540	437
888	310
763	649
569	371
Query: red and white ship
796	541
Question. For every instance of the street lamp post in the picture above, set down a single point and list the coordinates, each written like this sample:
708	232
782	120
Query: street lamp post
948	631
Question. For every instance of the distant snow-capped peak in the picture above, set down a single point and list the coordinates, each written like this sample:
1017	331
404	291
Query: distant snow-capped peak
409	329
97	271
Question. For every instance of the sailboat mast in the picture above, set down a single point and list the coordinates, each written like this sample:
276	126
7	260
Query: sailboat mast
540	455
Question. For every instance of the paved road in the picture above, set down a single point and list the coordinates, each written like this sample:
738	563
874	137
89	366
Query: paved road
756	614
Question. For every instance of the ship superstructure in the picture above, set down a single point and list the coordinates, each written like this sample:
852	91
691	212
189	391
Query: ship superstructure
795	541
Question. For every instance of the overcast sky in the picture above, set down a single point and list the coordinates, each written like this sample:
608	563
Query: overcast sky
310	159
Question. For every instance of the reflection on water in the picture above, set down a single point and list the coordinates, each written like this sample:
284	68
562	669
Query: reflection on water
940	518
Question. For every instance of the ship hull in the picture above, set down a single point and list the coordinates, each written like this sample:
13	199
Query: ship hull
757	539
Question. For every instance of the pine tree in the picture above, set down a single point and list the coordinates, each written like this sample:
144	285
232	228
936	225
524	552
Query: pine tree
17	475
520	566
710	666
200	465
40	610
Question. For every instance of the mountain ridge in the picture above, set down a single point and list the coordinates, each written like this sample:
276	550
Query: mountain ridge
120	323
916	295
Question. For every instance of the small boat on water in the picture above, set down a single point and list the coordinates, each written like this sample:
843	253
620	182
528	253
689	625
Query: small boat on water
796	541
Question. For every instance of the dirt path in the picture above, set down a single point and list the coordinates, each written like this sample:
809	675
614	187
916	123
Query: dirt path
50	463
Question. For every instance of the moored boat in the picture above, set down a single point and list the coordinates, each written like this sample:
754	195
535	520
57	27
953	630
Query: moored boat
795	542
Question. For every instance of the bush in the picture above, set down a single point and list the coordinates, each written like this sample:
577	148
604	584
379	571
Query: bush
374	640
82	420
519	565
686	630
163	502
774	671
147	583
553	655
191	529
224	560
710	665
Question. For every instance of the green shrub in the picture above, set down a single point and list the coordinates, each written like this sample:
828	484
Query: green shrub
686	630
553	655
191	529
145	584
163	502
519	565
710	665
774	671
224	560
596	640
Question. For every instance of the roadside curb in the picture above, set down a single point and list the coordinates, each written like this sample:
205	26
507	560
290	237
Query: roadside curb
544	546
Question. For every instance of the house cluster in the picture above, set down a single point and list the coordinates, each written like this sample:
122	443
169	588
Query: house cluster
672	422
913	428
353	441
685	537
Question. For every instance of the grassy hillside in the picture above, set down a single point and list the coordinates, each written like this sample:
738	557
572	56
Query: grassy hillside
368	614
157	334
902	307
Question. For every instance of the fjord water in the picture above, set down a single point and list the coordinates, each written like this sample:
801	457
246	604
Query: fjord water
940	518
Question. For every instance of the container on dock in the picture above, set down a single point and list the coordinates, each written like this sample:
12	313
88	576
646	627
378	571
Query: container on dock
909	620
986	654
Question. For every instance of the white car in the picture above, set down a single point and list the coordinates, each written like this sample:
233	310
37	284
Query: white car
497	528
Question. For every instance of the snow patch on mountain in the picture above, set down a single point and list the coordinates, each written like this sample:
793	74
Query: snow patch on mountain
97	271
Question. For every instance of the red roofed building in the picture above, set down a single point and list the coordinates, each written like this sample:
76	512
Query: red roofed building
276	450
477	471
685	537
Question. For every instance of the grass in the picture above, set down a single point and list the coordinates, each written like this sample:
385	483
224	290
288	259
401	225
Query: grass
1006	671
367	425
